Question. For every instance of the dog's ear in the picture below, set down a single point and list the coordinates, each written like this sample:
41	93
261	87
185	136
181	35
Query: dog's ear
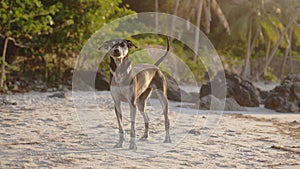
130	44
106	45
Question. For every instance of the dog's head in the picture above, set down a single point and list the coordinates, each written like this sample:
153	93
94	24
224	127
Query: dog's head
118	48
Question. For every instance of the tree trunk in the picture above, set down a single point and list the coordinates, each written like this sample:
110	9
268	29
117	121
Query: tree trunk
252	72
196	45
291	63
173	18
268	49
59	73
156	16
266	57
292	20
2	80
253	41
207	12
287	51
45	69
247	59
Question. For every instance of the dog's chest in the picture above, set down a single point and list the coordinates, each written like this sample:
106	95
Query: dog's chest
121	93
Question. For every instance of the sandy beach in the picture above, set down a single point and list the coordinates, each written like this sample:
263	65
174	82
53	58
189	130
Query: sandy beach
80	130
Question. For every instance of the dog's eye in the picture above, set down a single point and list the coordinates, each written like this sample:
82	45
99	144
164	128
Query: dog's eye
122	45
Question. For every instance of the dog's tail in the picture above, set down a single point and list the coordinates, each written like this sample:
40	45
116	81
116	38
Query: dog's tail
158	62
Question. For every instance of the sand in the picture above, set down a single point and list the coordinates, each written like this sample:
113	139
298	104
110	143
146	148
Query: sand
79	131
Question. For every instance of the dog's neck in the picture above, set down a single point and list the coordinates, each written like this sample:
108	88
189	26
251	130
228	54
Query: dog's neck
120	70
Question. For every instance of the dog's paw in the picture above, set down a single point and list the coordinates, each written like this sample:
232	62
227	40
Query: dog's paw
118	145
132	146
144	137
167	139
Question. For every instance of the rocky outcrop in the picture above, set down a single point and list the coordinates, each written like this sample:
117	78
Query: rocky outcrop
263	94
242	91
102	81
286	96
175	93
219	104
89	80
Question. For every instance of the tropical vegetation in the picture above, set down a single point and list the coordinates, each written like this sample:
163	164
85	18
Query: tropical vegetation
40	39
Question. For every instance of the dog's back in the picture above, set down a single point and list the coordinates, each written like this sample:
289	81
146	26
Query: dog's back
147	75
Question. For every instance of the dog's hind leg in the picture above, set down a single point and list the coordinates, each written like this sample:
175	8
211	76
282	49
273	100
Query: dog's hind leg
120	124
141	104
161	86
165	106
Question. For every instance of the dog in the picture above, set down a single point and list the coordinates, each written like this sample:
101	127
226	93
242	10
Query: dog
134	84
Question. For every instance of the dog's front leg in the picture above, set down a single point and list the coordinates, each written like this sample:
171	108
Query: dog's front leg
120	124
132	130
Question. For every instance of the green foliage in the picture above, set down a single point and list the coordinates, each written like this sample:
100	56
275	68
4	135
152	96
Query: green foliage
196	67
269	76
140	57
244	14
26	18
60	28
77	20
52	78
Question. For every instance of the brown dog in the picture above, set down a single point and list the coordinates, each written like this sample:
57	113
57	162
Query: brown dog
133	84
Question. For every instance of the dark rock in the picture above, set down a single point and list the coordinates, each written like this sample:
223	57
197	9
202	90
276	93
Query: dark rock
286	96
5	102
243	91
61	95
274	102
232	105
89	80
102	81
68	76
194	132
263	95
219	104
291	78
205	102
2	100
205	90
296	89
174	92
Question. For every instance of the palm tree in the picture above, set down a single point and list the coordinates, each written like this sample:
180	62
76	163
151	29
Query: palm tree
2	79
156	16
284	10
192	10
251	21
287	51
290	23
213	5
198	21
173	18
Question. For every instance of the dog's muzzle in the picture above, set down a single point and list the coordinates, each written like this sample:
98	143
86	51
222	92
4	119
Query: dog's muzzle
116	53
